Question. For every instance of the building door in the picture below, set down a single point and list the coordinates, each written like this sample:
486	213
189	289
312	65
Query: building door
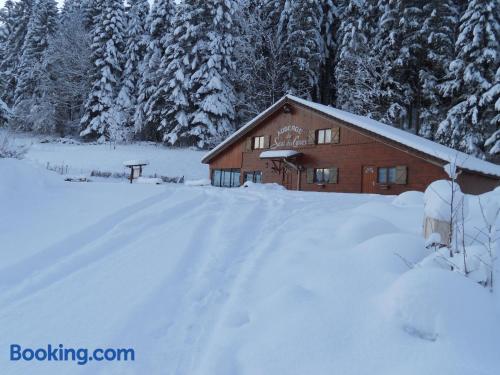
369	179
289	178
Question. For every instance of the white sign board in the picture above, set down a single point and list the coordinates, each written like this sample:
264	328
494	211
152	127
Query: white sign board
290	136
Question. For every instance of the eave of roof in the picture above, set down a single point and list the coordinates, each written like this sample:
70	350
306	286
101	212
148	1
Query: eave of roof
418	144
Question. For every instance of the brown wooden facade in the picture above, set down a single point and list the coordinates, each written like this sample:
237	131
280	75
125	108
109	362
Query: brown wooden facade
355	158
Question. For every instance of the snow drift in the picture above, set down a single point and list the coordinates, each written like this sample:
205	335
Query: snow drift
203	280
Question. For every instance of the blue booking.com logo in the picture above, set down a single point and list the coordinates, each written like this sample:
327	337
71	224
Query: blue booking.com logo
61	354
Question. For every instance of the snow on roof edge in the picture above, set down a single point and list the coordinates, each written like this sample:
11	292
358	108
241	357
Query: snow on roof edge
279	154
444	153
413	141
241	130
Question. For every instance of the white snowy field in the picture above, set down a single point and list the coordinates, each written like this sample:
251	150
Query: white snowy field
249	281
82	159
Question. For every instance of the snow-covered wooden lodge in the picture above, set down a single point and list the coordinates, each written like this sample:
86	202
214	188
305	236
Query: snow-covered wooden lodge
307	146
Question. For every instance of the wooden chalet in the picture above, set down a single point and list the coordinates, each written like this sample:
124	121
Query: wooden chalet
307	146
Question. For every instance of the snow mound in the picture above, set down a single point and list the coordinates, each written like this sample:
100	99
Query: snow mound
200	182
17	175
149	180
359	228
432	304
409	198
393	252
438	197
255	186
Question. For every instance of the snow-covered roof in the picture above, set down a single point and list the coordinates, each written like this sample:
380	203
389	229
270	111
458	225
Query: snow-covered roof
279	154
446	154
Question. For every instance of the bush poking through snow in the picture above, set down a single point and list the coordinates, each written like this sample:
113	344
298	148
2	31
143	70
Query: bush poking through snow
9	149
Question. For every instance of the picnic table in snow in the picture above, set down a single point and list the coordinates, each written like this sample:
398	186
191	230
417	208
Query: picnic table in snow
136	167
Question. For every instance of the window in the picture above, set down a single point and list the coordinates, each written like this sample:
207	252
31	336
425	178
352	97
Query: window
387	175
324	136
255	176
226	177
321	175
258	142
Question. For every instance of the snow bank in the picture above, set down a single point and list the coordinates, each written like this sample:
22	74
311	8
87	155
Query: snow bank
256	280
438	198
200	182
409	198
17	176
255	186
433	305
149	181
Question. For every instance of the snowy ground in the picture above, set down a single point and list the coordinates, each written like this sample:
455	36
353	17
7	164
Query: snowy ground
80	159
249	281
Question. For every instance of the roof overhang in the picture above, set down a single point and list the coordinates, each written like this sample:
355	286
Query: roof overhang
280	154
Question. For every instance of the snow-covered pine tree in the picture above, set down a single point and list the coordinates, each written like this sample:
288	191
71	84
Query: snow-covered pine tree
329	29
7	14
31	111
438	29
356	70
69	8
177	66
271	52
159	25
250	79
397	45
7	25
134	57
475	80
68	69
5	113
19	17
209	30
100	118
493	143
305	48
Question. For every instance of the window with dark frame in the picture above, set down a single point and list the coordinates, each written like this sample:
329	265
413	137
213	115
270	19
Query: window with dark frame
321	175
255	176
324	136
226	177
387	175
258	142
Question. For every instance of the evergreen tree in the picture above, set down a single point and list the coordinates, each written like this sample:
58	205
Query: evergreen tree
412	48
134	57
68	69
356	69
397	89
475	80
69	8
329	29
19	16
29	96
100	117
208	28
5	113
305	48
438	29
149	102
